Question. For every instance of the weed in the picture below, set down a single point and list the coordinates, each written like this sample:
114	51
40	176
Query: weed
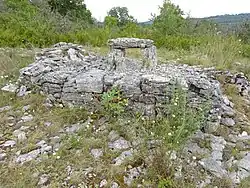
113	102
245	183
181	121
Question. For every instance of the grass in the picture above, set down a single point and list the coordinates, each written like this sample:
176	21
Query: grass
75	149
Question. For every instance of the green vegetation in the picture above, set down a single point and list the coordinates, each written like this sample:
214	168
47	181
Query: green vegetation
43	23
173	129
113	102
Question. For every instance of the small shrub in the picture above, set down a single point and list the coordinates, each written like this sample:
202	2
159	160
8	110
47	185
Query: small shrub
113	102
166	183
181	120
246	50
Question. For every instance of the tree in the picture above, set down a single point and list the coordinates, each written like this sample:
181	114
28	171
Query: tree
122	15
110	22
244	32
76	9
171	20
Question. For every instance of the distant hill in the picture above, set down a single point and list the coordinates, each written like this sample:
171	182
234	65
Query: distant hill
226	19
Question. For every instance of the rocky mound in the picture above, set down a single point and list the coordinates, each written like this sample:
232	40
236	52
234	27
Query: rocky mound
69	75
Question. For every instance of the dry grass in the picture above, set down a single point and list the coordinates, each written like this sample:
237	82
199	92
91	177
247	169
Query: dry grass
75	148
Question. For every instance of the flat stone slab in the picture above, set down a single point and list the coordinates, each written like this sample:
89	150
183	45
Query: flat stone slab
123	43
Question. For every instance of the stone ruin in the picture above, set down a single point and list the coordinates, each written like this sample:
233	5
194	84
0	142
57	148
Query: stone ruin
118	49
70	75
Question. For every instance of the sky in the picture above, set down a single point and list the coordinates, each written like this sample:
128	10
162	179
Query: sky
142	9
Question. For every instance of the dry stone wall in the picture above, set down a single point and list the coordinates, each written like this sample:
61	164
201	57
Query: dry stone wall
118	48
70	75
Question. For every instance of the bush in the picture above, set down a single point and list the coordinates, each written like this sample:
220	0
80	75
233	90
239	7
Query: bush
246	50
113	102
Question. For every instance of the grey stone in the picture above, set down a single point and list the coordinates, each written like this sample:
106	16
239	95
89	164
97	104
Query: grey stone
113	135
103	183
124	156
133	174
195	150
245	163
75	128
10	88
212	127
2	156
114	185
242	174
5	108
28	156
8	143
22	91
119	43
243	134
173	155
20	135
226	100
27	118
41	143
228	122
46	149
213	167
227	111
234	177
47	124
119	144
97	153
91	81
26	108
43	180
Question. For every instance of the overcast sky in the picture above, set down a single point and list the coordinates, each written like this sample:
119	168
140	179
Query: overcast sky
142	9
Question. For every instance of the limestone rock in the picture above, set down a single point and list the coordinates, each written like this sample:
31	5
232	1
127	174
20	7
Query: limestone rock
22	91
5	108
228	122
20	135
213	167
97	153
28	156
10	88
9	143
121	158
43	180
120	144
27	118
2	156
